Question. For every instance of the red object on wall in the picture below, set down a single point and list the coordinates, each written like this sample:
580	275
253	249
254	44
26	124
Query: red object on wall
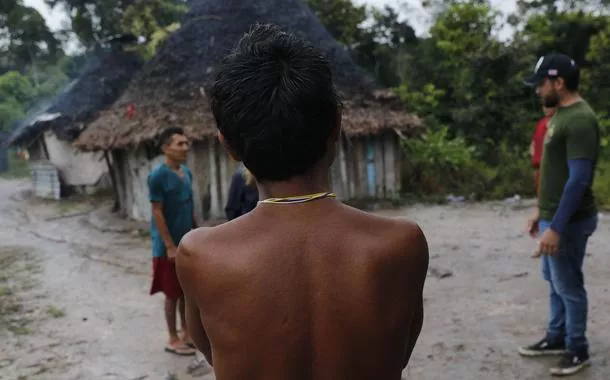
131	110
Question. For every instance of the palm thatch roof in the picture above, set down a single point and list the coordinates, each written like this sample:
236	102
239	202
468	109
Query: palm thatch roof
101	82
170	89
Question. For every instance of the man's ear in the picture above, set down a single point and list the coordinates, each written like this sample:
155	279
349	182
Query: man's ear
231	152
559	83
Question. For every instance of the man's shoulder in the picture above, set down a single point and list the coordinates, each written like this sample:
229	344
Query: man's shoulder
189	263
191	243
582	115
388	222
403	250
157	171
410	238
399	237
185	168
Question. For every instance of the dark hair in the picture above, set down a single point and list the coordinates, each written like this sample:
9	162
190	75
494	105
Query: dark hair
166	136
572	80
275	103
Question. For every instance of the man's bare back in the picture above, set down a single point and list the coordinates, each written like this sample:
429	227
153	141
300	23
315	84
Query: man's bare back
310	291
304	291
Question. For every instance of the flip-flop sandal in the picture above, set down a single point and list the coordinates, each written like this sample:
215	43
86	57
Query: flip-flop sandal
191	345
182	351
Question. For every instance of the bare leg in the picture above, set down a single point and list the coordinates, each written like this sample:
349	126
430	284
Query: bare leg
182	310
170	318
186	337
176	345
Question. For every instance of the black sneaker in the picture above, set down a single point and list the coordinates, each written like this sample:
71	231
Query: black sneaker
570	364
544	348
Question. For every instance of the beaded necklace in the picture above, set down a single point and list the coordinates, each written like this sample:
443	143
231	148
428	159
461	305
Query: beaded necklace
299	199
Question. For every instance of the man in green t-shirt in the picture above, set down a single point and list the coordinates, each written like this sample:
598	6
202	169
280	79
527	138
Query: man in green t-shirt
566	215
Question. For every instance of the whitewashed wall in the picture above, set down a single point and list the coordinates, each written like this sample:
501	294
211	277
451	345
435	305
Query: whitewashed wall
76	168
364	168
367	167
212	171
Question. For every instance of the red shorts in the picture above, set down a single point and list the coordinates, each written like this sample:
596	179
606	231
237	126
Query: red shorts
165	279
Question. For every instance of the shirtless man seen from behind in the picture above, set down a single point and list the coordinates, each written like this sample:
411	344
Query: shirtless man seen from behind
306	287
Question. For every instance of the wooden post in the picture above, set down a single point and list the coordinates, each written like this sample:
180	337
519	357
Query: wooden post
225	177
115	189
360	154
379	169
214	181
398	163
390	163
343	166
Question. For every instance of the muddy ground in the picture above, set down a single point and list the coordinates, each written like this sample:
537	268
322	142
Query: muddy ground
74	300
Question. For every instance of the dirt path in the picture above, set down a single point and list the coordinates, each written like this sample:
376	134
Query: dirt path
84	311
74	301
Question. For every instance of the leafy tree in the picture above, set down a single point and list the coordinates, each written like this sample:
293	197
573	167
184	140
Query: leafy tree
376	38
477	74
154	20
15	86
10	111
92	21
342	19
24	36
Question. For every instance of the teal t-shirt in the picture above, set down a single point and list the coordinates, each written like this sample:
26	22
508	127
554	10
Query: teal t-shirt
176	196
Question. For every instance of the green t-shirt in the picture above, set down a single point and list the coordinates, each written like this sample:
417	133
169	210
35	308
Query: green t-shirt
573	133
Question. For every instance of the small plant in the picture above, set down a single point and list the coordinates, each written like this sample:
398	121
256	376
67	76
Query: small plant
435	163
436	149
55	312
5	291
513	174
21	330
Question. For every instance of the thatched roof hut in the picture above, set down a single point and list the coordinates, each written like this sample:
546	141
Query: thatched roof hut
101	82
170	89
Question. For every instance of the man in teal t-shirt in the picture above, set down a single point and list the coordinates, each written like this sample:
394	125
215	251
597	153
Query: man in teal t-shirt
171	196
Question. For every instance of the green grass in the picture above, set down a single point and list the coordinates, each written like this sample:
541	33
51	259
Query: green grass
20	330
18	269
55	312
5	291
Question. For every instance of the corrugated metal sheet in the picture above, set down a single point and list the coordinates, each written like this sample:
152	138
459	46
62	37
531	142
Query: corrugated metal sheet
45	180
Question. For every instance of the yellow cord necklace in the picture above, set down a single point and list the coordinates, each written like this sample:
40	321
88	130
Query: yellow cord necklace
299	199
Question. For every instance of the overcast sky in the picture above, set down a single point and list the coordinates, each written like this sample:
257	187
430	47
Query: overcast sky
414	12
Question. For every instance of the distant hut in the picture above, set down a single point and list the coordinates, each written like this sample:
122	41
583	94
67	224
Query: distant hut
48	133
170	90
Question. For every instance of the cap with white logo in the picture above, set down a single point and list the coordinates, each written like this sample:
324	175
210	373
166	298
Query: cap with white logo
554	65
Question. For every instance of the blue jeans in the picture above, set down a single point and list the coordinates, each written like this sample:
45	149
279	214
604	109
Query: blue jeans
568	320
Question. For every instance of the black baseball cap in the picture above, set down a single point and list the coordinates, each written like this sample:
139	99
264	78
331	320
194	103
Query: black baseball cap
555	65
